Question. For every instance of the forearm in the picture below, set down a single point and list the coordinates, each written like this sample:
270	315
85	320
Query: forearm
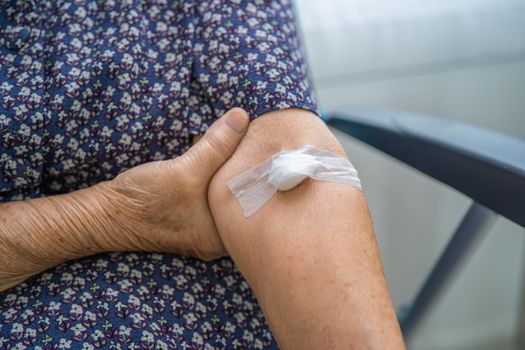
157	206
310	254
39	233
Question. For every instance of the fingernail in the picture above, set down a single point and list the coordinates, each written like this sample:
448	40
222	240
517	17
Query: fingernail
237	121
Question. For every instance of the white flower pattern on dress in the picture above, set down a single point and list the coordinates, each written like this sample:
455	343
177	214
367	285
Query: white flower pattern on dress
90	88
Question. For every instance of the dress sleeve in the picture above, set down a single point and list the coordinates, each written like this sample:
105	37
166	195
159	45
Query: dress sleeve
247	54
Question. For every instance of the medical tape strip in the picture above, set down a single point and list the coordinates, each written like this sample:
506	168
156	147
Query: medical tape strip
285	170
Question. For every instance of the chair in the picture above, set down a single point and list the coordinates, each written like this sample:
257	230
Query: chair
487	166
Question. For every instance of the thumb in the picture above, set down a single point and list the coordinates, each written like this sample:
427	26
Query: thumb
219	142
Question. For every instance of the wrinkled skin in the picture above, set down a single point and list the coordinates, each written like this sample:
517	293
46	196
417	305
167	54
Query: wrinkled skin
163	205
160	206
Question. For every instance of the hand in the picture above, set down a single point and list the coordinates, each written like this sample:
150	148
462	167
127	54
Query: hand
162	206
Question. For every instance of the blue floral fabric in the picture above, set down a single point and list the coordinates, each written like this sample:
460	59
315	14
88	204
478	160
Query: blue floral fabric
90	88
134	301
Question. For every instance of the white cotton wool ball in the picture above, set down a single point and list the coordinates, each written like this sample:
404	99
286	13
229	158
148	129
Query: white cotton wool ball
290	169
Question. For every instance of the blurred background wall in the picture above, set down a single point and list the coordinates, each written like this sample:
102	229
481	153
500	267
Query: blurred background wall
458	59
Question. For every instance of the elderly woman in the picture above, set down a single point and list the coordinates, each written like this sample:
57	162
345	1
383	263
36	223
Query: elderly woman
117	228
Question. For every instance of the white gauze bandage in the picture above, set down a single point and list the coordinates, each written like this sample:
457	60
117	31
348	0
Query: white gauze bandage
287	169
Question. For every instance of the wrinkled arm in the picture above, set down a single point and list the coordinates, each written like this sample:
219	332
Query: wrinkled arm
309	254
40	233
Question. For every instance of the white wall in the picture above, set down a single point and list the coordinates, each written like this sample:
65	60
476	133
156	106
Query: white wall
463	60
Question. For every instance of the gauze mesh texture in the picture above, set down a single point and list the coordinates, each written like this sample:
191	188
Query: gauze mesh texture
255	187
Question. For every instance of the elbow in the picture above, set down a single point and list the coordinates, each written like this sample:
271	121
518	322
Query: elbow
267	135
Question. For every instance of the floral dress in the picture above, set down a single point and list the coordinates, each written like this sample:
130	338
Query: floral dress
90	88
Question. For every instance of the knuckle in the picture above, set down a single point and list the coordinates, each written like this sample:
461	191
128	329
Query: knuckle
219	143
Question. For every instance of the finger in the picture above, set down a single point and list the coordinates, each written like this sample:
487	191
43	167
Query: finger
219	142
